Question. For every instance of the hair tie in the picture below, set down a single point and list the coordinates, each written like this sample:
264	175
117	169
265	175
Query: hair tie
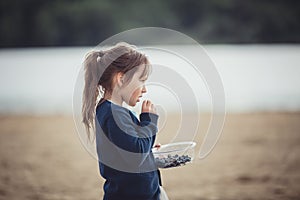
99	55
98	58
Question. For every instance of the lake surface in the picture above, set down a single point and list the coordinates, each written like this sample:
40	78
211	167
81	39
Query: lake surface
255	78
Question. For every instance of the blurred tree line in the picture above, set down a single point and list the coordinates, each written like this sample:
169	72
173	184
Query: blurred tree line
88	22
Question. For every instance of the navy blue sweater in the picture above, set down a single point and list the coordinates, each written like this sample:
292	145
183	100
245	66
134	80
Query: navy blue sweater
124	149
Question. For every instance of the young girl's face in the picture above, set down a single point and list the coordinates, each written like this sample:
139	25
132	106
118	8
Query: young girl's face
135	88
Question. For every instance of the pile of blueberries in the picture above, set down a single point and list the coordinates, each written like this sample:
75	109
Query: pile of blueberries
172	161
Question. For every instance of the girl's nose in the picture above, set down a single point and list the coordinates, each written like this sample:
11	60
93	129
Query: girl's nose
144	90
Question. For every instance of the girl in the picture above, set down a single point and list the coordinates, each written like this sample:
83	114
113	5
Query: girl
123	142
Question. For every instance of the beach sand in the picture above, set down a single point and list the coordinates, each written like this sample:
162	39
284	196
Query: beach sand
257	157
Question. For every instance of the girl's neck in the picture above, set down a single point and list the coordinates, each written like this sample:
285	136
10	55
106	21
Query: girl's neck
114	99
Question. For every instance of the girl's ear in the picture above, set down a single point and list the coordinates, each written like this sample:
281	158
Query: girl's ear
120	77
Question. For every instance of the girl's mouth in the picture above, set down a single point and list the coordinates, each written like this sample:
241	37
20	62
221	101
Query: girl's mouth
138	100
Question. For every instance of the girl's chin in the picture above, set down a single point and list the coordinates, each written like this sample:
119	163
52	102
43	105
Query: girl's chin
132	103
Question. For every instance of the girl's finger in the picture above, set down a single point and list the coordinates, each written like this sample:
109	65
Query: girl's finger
148	102
144	106
144	103
154	108
151	106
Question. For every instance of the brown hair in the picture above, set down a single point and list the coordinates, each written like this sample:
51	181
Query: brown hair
100	68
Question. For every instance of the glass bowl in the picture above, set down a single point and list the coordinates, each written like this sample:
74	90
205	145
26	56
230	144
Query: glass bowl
174	154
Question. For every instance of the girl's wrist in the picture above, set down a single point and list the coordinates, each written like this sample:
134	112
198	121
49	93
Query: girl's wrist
149	117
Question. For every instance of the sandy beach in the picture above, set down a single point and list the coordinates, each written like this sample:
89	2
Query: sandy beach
257	157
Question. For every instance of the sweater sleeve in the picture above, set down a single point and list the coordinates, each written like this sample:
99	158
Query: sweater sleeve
124	133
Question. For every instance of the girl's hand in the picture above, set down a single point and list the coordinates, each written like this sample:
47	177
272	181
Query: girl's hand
148	106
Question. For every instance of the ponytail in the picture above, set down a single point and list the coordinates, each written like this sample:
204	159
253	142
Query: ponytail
91	89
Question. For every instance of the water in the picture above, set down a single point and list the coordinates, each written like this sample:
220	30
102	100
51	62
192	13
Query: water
255	78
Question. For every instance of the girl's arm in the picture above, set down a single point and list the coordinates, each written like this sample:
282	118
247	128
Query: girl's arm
124	133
